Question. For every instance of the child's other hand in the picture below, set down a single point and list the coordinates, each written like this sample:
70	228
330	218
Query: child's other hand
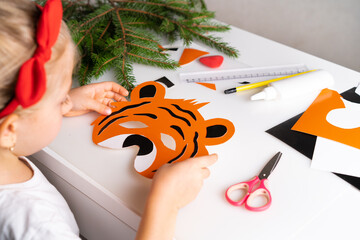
95	97
178	184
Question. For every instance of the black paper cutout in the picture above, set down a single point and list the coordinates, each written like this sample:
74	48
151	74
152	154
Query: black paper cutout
351	95
153	116
178	156
305	143
215	131
196	145
176	116
185	111
172	49
144	144
147	91
109	123
302	142
122	110
165	81
178	129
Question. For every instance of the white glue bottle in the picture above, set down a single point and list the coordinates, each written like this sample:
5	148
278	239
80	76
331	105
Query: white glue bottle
295	86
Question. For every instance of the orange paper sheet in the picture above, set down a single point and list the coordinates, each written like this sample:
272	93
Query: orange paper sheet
314	122
190	54
165	130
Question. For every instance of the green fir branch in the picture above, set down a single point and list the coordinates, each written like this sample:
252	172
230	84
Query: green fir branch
114	34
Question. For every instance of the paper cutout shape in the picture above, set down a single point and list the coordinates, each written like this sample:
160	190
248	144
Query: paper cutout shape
314	122
168	49
172	49
165	81
149	120
212	86
305	143
347	118
212	61
302	142
190	54
161	47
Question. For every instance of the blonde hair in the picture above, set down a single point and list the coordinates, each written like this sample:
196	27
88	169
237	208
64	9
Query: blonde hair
18	20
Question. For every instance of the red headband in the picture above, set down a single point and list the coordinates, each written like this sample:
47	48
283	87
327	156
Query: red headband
31	83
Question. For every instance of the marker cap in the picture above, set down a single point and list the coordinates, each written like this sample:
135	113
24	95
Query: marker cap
231	90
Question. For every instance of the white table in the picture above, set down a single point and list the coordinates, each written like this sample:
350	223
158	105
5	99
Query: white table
107	195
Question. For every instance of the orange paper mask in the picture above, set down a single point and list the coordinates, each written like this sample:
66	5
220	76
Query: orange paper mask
314	120
165	130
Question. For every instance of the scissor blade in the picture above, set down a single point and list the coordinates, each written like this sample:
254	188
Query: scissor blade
270	166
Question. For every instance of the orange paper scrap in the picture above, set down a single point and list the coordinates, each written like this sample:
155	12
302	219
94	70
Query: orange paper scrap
161	47
208	85
314	120
165	130
190	54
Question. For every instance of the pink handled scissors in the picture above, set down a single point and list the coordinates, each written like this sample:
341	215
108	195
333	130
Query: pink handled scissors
250	193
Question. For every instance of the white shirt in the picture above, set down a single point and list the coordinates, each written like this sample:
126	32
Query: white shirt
35	210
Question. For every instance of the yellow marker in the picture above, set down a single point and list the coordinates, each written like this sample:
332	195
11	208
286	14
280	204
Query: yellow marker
260	84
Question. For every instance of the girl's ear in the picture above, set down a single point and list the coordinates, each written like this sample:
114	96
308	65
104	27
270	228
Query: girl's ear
8	128
218	130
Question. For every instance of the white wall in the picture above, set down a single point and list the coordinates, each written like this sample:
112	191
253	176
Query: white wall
329	29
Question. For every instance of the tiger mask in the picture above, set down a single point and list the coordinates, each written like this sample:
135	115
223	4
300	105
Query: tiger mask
165	130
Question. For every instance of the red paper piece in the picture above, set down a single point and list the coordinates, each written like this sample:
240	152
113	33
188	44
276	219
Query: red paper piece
190	54
212	61
208	85
165	130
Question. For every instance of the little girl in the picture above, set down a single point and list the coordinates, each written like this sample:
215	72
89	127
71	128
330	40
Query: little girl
37	57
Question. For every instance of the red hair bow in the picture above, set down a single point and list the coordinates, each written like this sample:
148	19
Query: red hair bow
31	83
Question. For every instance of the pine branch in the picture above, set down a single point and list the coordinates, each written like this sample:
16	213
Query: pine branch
212	41
97	72
114	34
169	6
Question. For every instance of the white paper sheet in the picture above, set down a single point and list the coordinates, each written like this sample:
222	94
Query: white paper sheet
336	157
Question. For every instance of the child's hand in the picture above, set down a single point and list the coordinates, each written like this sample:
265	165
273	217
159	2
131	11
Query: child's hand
95	97
179	183
174	186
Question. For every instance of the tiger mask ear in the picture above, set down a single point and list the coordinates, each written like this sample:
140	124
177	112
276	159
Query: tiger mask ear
150	89
218	130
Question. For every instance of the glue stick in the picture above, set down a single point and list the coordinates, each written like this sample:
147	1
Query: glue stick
295	86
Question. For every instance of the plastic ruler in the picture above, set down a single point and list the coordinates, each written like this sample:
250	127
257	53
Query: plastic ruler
249	75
